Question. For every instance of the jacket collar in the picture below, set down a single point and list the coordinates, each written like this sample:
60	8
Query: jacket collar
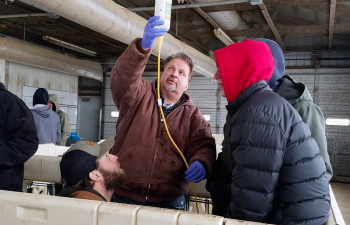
233	106
305	96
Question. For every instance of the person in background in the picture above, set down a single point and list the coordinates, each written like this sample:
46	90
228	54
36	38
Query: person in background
277	173
90	172
47	122
54	104
18	139
157	175
299	96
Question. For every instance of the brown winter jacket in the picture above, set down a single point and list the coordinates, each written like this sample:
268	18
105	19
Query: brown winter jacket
154	169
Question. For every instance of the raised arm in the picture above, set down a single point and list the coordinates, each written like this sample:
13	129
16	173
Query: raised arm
126	82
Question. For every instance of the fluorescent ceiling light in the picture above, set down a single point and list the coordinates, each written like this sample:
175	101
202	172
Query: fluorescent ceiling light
69	46
223	36
337	122
207	117
114	114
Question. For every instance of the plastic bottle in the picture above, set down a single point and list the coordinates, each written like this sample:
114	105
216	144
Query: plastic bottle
163	10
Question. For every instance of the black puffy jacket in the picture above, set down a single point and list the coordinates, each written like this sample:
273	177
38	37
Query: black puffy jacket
278	175
18	140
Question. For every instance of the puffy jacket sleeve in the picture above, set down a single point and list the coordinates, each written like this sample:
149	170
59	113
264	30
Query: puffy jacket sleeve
256	144
201	146
22	141
303	184
314	119
126	83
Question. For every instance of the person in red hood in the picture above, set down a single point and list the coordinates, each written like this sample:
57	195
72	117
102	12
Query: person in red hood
277	173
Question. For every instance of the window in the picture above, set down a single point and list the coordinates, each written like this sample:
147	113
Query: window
207	117
114	114
337	122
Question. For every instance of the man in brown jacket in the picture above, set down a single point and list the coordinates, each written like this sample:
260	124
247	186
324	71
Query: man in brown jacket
156	173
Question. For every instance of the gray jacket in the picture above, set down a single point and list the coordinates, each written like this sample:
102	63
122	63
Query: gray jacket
47	125
299	96
64	119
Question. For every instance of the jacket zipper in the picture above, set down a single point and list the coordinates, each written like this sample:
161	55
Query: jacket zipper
154	161
155	154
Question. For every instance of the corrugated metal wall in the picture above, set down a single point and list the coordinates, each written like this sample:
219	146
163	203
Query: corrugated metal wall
20	75
108	122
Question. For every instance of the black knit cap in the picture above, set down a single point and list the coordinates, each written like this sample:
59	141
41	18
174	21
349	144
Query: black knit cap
40	97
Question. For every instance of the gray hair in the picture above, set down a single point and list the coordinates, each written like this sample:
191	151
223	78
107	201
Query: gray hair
185	58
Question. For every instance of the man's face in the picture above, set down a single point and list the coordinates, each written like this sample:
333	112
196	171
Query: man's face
109	167
217	76
49	104
175	76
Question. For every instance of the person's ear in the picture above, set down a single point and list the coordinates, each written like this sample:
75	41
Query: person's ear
188	85
95	175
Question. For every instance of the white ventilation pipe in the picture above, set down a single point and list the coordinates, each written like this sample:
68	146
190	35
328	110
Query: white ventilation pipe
112	20
18	52
227	20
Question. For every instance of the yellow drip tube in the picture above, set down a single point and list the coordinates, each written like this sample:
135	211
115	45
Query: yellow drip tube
160	41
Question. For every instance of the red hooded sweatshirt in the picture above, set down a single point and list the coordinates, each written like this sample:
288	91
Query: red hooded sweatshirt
242	64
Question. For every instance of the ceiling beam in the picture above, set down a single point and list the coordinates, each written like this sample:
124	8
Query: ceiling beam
342	11
284	3
229	7
204	15
268	4
289	21
208	19
275	13
311	29
331	23
254	18
271	25
296	12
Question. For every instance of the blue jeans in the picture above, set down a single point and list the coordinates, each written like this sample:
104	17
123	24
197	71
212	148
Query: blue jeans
178	204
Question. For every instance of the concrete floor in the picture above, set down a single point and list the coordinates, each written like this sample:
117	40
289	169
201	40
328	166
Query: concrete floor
341	192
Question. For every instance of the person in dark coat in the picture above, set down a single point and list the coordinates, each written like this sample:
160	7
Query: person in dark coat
298	95
18	139
47	122
277	173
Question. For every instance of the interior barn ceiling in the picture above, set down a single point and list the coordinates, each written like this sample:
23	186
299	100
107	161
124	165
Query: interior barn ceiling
298	25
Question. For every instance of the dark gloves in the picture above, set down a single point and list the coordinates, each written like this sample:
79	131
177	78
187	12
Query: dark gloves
195	172
150	32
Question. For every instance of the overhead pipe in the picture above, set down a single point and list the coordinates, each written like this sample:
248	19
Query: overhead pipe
204	4
51	15
119	23
18	52
228	20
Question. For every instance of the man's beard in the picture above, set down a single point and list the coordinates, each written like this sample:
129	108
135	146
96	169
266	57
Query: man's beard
168	87
112	179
